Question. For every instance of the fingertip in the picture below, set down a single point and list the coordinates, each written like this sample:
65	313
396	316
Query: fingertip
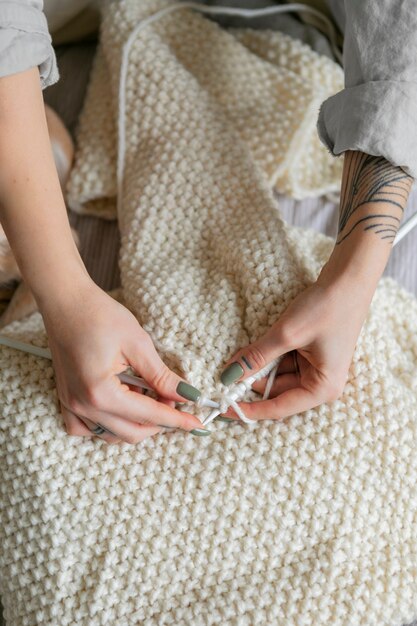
192	422
229	413
232	373
259	385
251	409
186	391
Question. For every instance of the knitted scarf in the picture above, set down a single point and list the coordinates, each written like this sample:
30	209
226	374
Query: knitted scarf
309	520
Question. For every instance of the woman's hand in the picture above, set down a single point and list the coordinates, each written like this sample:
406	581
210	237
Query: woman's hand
322	325
92	337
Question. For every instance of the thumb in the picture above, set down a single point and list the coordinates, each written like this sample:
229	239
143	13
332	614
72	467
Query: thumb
147	362
254	357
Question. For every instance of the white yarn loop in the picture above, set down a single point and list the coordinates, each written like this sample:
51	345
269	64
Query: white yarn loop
270	382
232	395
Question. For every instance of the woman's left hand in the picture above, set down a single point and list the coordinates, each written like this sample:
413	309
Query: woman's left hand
322	324
318	330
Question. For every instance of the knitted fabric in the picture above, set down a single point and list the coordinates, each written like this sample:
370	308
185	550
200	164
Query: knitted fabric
305	521
269	85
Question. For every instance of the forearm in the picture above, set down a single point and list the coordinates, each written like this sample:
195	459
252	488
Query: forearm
374	194
32	208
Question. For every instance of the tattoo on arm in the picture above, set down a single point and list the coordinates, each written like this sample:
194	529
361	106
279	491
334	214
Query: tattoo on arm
373	196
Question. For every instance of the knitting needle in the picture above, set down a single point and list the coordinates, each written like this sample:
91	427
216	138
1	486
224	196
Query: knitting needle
25	347
139	382
269	369
136	381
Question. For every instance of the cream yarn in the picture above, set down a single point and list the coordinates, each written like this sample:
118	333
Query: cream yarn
267	111
270	85
302	522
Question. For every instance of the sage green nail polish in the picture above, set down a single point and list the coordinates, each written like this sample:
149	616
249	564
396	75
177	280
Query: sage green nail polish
231	373
221	418
200	432
187	391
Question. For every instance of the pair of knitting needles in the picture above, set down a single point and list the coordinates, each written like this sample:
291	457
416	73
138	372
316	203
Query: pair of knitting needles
137	381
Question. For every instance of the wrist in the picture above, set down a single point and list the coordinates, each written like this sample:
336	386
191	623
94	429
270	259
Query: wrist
353	272
373	196
359	259
65	286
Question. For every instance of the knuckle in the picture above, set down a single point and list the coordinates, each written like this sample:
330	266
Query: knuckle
140	436
93	397
255	357
335	389
160	379
74	429
182	420
145	340
286	335
184	423
75	405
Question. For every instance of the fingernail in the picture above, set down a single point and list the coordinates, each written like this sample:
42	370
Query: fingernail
200	432
187	391
231	373
221	418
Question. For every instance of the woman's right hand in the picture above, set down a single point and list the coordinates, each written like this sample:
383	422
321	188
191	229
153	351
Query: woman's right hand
92	337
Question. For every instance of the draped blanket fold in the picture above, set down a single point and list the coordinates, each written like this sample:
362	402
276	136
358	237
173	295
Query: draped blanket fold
305	521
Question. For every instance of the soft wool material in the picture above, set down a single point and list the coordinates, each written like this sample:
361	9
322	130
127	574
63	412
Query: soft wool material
311	520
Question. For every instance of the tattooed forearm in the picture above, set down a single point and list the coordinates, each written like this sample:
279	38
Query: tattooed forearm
373	196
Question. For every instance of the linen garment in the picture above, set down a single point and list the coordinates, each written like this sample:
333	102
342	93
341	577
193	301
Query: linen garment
376	112
25	41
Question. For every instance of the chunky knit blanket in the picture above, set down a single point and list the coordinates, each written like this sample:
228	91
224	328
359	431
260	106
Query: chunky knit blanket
306	521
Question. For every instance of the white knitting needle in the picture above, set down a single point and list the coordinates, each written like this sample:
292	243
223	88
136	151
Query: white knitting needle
269	369
406	228
136	381
25	347
139	382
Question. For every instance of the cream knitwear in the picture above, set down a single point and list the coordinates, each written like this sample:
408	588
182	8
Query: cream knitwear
302	522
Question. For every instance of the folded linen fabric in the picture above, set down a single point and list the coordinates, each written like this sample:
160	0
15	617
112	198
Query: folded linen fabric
311	520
